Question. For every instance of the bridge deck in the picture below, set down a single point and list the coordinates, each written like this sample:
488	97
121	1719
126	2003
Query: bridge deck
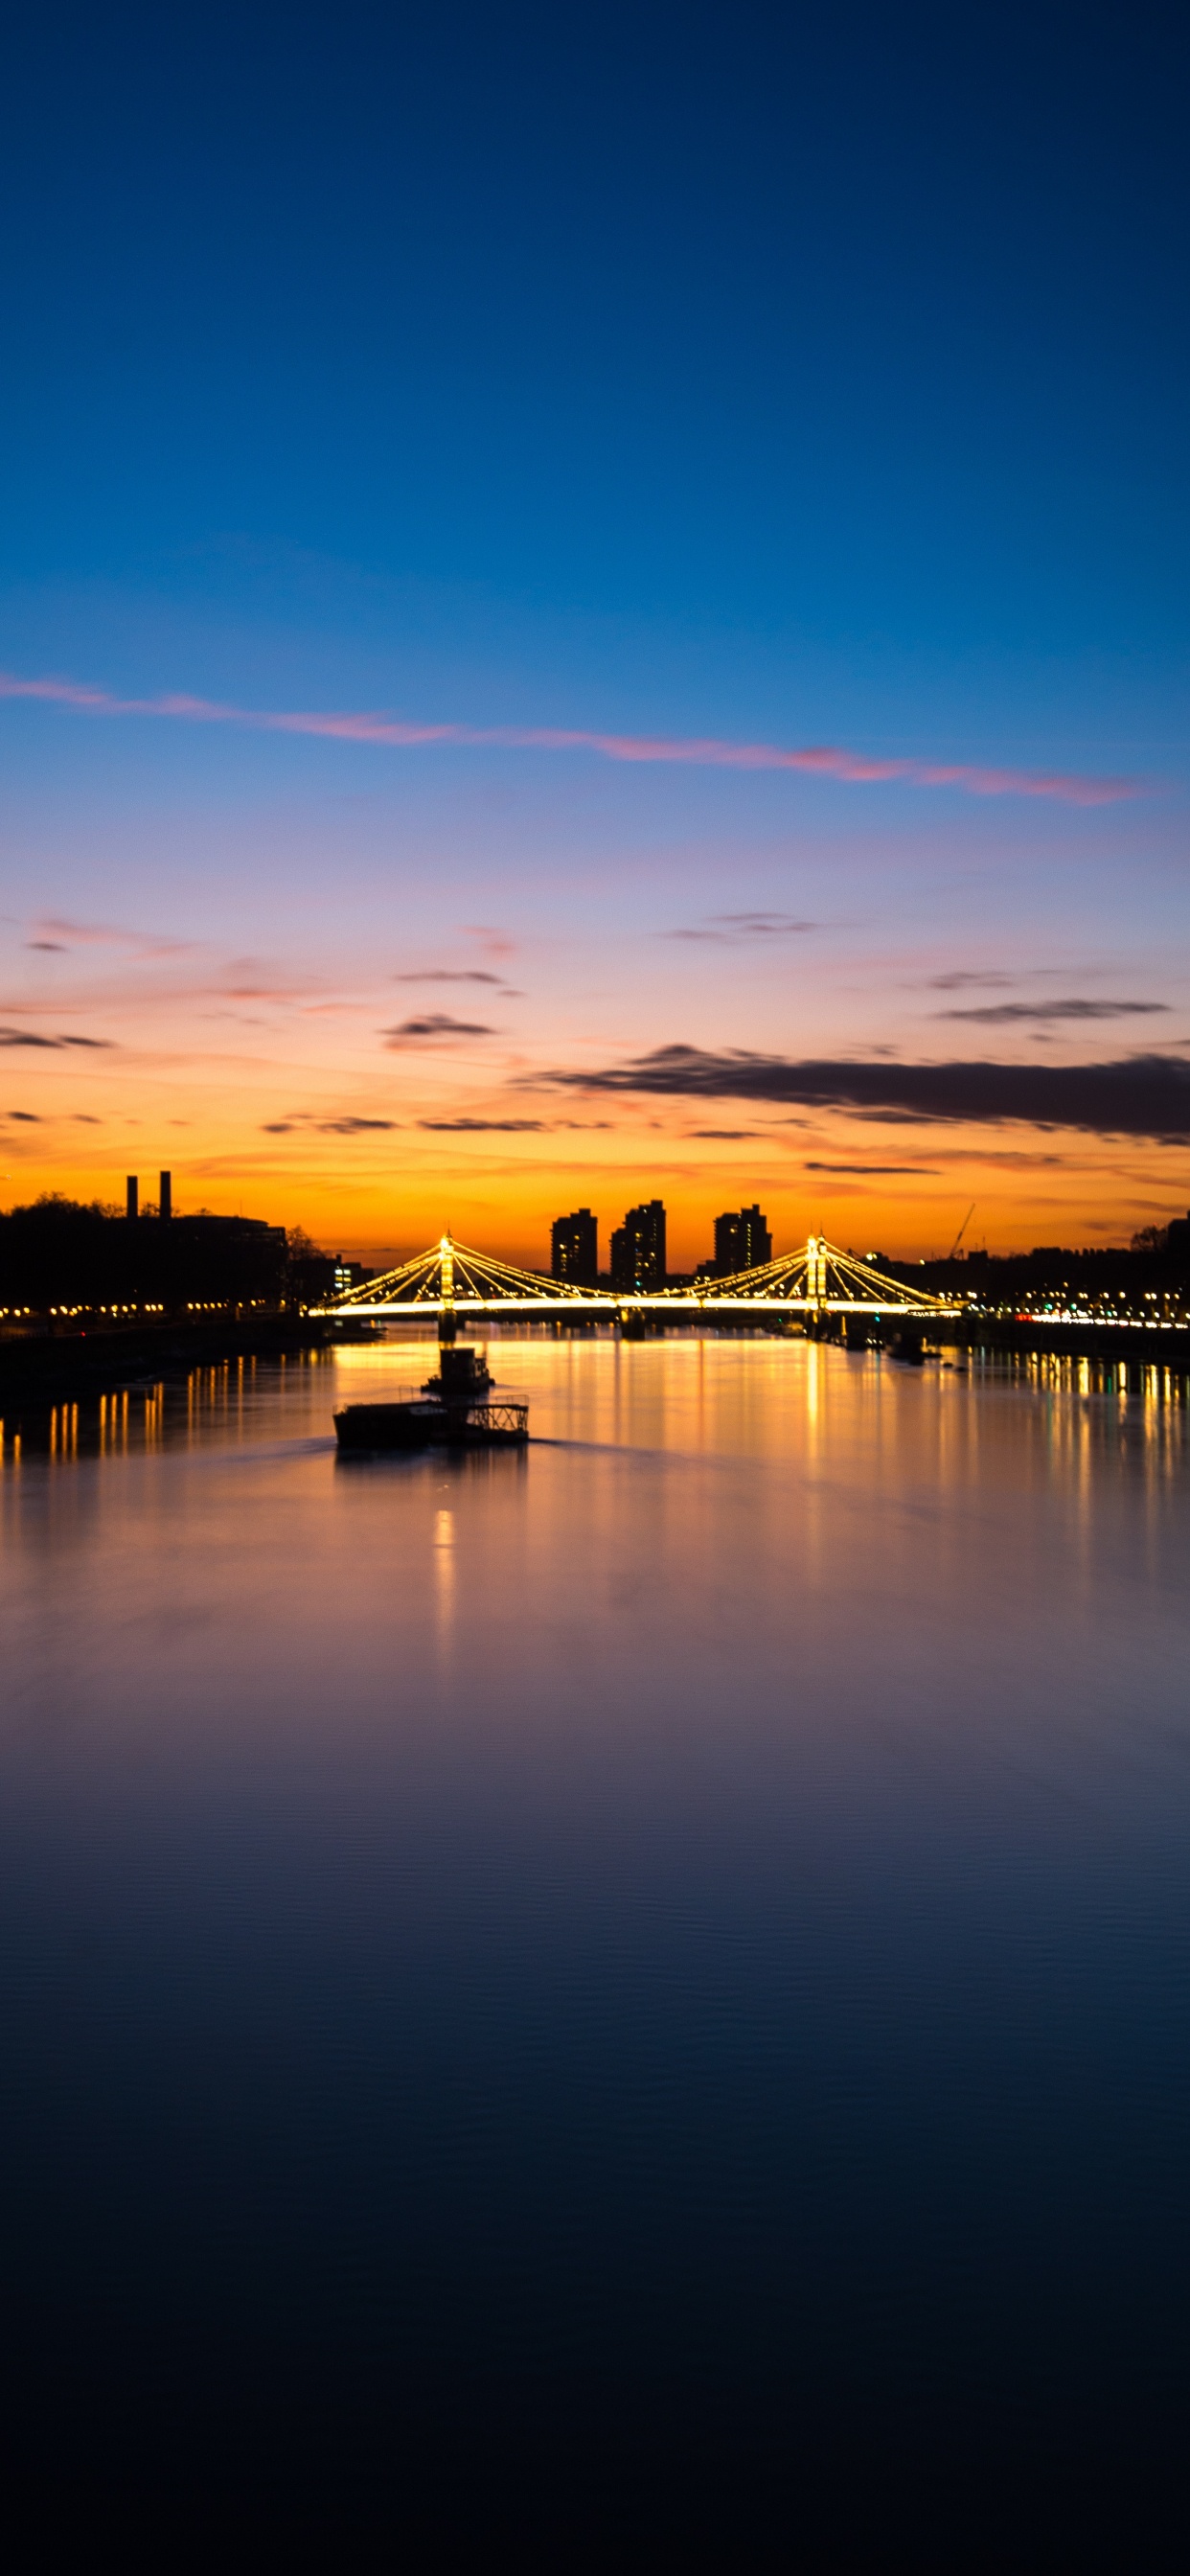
817	1279
607	1308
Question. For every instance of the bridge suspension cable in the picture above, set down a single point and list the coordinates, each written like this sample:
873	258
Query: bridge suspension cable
821	1275
818	1279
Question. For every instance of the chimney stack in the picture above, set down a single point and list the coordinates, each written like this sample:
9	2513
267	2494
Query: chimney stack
133	1207
165	1203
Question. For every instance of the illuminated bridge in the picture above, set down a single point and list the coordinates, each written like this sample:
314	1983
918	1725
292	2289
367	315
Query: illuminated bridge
817	1281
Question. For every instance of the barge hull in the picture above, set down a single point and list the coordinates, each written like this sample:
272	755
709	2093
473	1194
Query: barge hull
367	1429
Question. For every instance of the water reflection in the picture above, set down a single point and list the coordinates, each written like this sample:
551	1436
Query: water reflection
444	1569
654	1964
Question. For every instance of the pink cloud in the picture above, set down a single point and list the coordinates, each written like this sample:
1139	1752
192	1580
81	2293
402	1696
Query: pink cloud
53	932
823	761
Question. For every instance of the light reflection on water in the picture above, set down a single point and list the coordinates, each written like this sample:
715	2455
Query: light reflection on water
650	1970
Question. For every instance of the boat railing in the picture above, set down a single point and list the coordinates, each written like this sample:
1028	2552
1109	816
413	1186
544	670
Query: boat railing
510	1418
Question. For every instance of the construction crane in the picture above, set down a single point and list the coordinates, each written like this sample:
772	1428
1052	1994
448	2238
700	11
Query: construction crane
953	1253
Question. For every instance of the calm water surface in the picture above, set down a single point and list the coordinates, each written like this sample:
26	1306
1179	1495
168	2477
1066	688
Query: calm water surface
628	2000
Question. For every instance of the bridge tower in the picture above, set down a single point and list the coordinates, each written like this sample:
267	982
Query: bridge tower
817	1281
448	1322
816	1271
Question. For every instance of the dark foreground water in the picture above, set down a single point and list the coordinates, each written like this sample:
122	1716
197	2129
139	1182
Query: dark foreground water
624	2005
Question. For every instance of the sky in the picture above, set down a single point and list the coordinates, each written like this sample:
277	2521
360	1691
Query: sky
593	605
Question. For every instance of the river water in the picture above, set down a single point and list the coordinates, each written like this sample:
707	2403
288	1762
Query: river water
623	2002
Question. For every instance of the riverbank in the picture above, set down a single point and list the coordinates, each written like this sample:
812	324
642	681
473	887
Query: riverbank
42	1369
1153	1345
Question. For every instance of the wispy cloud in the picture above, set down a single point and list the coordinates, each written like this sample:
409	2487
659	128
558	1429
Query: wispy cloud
26	1038
958	981
435	1024
452	975
300	1120
494	941
729	928
482	1126
1146	1095
57	936
833	761
355	1126
877	1171
994	1014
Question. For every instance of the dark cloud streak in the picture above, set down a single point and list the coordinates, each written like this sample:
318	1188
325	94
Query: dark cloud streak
436	1024
1146	1095
10	1037
1002	1014
327	1126
460	975
354	1126
728	928
958	980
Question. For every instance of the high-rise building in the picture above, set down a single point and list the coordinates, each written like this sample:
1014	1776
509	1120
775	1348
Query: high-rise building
165	1201
638	1248
574	1249
758	1241
742	1242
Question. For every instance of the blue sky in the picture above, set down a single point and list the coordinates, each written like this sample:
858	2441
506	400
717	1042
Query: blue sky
867	328
776	378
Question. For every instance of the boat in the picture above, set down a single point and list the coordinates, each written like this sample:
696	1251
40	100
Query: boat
456	1409
906	1347
463	1375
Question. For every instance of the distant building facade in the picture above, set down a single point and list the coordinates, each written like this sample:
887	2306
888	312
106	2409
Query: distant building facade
742	1242
57	1254
638	1249
574	1249
349	1275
